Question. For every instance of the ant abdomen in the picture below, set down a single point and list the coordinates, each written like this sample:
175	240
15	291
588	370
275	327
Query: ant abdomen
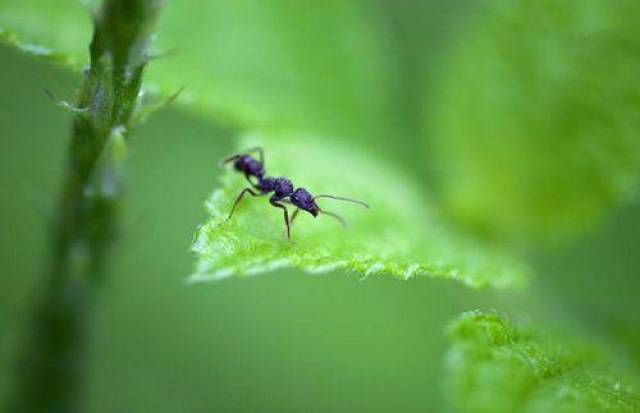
249	166
281	186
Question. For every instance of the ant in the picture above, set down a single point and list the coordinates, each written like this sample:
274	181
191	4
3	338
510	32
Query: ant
282	188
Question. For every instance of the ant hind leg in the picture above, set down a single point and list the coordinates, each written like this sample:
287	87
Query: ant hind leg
239	198
260	153
248	178
240	155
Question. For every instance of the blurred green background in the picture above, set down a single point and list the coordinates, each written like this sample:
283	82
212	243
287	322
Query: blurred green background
287	341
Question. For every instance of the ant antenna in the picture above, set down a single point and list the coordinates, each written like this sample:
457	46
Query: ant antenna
341	198
336	216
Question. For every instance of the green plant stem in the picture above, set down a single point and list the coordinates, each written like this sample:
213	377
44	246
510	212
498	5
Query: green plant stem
49	376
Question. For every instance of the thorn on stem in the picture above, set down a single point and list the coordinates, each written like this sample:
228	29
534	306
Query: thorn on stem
64	104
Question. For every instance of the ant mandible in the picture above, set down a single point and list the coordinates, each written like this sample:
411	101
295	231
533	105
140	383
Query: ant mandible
284	192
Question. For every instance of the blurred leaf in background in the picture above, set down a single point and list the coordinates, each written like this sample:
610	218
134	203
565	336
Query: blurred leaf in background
534	127
317	67
532	133
303	66
495	366
595	280
54	30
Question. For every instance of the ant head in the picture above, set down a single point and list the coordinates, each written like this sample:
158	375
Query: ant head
304	200
313	209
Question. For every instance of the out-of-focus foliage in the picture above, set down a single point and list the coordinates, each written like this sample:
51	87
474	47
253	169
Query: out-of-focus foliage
399	235
311	66
58	30
494	366
597	278
536	121
316	66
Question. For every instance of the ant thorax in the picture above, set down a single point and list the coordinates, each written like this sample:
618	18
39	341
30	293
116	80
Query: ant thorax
266	184
281	186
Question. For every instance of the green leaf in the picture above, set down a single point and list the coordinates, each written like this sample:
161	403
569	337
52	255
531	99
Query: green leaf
310	66
534	127
494	366
398	235
53	30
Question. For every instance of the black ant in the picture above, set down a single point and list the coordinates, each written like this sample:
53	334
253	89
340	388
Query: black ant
282	188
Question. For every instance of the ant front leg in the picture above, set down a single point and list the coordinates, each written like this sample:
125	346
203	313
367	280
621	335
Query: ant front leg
239	198
295	213
275	203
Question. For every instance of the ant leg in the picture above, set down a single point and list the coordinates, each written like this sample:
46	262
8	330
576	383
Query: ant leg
260	153
240	155
293	216
295	213
286	217
239	198
248	178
